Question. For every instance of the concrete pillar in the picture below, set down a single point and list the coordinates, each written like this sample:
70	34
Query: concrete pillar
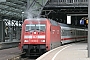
10	32
2	31
18	32
89	29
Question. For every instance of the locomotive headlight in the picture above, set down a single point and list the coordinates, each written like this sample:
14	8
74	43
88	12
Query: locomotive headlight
42	40
26	41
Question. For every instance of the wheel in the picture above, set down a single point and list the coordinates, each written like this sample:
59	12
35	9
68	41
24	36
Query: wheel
61	44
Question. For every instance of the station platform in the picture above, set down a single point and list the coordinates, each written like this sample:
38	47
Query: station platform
9	44
74	51
6	54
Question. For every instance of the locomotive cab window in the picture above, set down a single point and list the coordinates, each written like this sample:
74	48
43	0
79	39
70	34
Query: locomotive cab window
40	27
30	27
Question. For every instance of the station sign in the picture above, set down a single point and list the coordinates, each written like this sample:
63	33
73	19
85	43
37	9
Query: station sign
82	22
68	19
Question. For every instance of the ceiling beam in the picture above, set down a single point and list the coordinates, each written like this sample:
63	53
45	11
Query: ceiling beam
2	0
77	14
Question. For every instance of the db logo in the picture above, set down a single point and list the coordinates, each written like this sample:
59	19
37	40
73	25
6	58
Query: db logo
34	36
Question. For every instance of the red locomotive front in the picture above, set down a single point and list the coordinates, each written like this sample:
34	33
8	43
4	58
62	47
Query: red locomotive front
39	36
33	37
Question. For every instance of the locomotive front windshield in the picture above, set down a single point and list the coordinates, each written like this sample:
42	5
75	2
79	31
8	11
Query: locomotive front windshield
40	27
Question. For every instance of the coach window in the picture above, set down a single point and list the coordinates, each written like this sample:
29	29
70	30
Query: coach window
73	32
68	33
86	32
82	33
63	32
77	32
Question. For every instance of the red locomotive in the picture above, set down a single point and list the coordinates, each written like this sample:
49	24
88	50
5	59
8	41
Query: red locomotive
39	35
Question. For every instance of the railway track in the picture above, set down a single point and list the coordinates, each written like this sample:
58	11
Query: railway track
22	57
27	59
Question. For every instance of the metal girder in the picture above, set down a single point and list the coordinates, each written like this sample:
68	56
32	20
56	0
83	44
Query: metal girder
34	7
77	14
14	8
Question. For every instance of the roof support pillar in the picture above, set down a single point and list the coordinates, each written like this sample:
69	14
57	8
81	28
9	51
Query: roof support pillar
2	30
89	29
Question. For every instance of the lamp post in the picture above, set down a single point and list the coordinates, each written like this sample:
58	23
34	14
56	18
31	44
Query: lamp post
22	16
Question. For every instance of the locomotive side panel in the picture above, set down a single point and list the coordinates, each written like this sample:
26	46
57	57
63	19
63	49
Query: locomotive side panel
55	36
22	37
48	35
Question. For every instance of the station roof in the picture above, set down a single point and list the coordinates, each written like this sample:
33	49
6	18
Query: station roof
12	9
